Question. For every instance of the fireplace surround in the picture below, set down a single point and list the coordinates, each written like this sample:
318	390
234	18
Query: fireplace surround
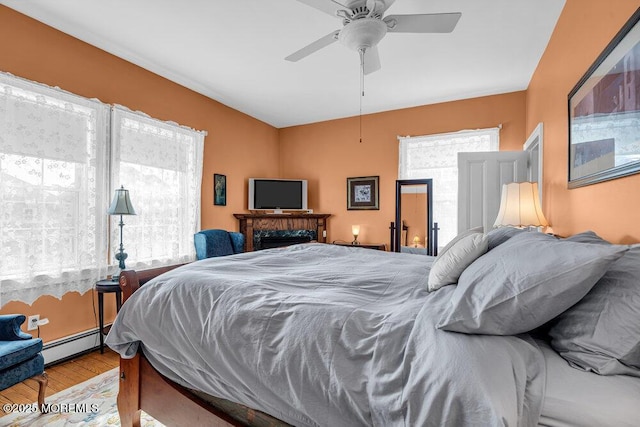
262	230
266	239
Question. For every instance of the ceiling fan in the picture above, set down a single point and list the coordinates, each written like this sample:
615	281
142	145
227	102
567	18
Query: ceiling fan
364	26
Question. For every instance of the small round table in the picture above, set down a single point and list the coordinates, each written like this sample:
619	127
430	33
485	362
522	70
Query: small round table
106	286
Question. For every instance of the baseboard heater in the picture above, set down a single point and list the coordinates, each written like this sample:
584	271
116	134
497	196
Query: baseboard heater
70	346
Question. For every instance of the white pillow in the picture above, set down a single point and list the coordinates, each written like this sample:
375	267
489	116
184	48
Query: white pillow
450	264
461	236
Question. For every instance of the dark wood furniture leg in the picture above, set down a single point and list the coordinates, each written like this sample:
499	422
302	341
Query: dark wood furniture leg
43	380
106	287
101	319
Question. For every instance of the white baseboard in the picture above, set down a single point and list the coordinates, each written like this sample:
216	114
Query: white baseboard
71	345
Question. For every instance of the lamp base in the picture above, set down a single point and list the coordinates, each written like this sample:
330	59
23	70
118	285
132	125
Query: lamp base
121	256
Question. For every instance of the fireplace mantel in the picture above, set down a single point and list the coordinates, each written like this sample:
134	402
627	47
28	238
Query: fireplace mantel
250	222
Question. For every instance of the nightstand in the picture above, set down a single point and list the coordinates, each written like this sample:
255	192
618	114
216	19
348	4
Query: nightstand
106	286
377	246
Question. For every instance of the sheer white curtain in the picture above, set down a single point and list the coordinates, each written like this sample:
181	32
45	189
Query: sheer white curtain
436	157
53	191
160	163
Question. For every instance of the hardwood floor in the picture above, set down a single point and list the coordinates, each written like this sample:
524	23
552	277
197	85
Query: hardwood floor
62	376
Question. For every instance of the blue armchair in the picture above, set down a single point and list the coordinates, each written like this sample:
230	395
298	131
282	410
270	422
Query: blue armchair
211	243
20	355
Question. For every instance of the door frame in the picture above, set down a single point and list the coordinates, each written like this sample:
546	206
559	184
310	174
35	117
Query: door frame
534	145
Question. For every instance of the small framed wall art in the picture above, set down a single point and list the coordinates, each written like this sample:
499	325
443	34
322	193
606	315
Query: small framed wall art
362	193
219	190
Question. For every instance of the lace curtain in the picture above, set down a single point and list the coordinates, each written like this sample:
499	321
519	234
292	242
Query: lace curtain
160	163
53	191
436	157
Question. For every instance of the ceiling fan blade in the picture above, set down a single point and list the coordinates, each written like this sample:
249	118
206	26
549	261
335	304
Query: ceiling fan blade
371	60
326	6
425	23
313	47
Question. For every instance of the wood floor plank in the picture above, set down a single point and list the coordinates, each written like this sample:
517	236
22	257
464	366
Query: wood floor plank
59	378
75	375
100	361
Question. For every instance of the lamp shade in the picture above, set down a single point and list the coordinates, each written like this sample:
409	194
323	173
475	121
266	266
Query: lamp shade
520	206
121	204
355	230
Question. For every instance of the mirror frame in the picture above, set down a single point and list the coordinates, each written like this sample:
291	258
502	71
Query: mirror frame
398	224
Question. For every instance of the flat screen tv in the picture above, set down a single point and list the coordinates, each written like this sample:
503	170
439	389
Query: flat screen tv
277	194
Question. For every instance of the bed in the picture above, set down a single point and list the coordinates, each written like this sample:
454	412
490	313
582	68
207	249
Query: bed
323	335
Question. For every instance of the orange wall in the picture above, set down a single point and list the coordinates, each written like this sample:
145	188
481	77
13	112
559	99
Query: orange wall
40	53
326	153
581	34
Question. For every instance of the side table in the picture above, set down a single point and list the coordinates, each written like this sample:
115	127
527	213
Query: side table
106	286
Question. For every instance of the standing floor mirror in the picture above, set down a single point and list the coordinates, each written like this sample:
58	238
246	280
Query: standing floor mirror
413	230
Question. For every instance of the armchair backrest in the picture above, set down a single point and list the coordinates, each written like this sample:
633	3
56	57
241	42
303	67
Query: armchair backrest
10	327
214	242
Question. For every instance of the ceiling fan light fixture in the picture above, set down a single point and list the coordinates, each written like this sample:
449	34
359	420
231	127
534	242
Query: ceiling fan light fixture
363	33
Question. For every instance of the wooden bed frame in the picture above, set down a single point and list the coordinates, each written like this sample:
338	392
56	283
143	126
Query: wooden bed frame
144	388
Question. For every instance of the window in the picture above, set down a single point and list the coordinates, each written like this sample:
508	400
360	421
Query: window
161	166
436	157
53	181
57	180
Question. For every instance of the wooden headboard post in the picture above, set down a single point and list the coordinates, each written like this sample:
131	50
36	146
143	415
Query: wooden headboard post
129	396
131	280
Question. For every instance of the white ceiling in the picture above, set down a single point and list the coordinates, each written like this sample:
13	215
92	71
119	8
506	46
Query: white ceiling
233	51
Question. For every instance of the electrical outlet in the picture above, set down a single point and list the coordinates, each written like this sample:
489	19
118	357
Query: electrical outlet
32	322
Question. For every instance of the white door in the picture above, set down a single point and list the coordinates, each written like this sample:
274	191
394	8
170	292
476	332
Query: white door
480	179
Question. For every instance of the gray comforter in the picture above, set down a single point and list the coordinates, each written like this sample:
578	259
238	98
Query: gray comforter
323	335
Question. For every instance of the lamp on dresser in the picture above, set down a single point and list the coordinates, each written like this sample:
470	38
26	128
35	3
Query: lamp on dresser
520	206
121	205
355	230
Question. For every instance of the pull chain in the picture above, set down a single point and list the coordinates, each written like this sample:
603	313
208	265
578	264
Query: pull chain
361	51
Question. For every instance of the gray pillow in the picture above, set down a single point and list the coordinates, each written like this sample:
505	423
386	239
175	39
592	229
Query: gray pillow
498	236
601	333
587	237
525	282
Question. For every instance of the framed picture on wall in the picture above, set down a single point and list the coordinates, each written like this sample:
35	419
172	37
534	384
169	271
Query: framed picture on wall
219	190
362	193
604	113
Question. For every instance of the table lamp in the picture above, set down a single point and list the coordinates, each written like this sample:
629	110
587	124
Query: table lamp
520	206
121	205
355	230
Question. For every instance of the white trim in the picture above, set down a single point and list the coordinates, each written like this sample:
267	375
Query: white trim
70	346
535	140
465	132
